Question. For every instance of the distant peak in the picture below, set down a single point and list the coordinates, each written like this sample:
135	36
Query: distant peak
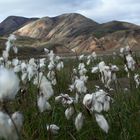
71	15
12	17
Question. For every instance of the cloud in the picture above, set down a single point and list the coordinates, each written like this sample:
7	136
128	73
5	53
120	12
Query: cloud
98	10
125	10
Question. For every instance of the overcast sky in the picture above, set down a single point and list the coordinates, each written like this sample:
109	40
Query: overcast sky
99	10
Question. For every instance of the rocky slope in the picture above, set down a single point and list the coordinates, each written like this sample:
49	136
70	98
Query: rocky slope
73	32
114	41
13	23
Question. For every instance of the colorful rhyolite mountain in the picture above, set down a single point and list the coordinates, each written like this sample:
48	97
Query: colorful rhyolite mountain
71	33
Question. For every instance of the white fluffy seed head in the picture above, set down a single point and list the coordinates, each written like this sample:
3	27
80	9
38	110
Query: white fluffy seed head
94	55
43	104
87	101
9	84
102	122
79	121
58	99
4	125
15	62
15	49
81	57
130	62
121	50
80	86
5	55
46	88
51	65
46	50
60	66
11	38
7	128
18	120
101	66
95	69
17	68
69	112
53	128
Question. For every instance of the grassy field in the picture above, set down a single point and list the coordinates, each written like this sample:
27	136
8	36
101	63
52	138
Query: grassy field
123	117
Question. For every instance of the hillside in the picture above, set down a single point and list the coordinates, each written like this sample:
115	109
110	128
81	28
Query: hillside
69	30
74	32
12	23
114	41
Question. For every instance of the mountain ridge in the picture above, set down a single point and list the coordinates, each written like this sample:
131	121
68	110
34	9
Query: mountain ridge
12	23
77	33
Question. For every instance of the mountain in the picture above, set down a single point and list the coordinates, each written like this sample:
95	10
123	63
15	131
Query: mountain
73	32
68	30
12	23
113	26
65	25
114	41
116	34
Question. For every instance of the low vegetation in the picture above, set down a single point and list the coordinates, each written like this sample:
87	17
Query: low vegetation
86	98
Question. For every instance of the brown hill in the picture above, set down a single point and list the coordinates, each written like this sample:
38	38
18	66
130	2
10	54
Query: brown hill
79	33
73	32
114	41
65	25
12	23
70	30
113	26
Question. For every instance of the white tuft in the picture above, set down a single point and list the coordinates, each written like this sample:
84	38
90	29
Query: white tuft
43	104
102	122
69	112
9	84
79	121
53	128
